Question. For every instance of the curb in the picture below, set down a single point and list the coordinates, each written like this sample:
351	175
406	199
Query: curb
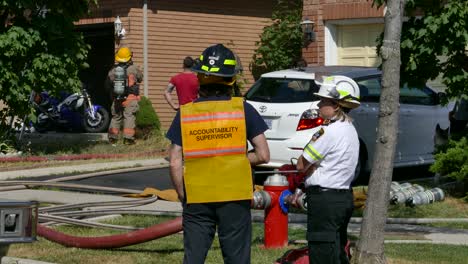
83	168
11	260
77	157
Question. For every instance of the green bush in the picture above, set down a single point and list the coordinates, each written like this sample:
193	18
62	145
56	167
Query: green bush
280	44
453	161
147	121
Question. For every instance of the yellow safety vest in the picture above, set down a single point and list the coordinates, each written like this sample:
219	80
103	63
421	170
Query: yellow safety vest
214	142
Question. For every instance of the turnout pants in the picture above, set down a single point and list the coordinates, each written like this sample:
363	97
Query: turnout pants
123	112
328	215
234	224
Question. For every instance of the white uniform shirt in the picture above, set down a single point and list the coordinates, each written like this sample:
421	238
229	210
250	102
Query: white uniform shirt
336	153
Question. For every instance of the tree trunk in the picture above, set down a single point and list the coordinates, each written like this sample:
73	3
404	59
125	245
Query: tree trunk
370	247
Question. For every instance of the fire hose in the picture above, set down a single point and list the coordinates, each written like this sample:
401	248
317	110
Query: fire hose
274	199
114	241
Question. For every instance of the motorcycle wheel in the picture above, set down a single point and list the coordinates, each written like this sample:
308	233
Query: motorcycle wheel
98	124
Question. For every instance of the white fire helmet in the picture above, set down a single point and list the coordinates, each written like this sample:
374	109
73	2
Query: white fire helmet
340	88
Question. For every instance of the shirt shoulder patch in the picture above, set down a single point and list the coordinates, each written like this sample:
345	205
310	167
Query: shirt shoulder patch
318	134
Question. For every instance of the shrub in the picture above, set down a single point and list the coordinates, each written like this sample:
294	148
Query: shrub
453	161
147	121
280	44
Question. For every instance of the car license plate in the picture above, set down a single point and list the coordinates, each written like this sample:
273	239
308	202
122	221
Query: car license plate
268	122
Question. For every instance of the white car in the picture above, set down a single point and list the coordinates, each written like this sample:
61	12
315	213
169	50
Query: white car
286	101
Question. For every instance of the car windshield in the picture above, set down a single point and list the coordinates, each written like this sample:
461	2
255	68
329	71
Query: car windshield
280	90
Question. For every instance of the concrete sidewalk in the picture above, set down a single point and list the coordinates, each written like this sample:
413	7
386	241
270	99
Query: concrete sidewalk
83	168
68	197
11	260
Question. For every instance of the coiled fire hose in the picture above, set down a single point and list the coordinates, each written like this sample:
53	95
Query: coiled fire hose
112	241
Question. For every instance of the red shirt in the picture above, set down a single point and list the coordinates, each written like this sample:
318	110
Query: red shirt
186	84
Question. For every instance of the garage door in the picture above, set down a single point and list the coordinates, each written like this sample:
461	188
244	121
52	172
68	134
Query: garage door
357	44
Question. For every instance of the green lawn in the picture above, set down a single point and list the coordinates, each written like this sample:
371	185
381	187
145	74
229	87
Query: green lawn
426	253
170	249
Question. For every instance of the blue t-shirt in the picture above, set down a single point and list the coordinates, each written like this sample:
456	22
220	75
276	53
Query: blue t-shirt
253	121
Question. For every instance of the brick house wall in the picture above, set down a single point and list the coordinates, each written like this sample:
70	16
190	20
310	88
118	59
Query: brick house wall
179	28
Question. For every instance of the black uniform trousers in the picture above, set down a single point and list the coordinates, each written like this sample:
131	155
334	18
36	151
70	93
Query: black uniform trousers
234	224
328	215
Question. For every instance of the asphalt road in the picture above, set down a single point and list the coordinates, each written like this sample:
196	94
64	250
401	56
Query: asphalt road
160	178
138	180
399	174
156	178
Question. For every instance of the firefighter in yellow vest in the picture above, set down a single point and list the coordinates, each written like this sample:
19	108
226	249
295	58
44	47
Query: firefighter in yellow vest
209	164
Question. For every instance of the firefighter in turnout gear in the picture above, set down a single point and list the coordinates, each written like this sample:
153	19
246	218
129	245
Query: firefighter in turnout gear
124	81
329	160
209	163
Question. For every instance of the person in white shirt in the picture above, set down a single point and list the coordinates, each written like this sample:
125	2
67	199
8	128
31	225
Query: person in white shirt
329	160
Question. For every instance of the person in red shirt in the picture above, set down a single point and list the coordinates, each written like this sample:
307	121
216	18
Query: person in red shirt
186	85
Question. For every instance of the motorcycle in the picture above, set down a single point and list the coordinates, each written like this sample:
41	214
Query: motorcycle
72	113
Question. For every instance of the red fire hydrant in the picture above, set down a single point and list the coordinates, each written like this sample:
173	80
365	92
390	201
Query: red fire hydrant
276	215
